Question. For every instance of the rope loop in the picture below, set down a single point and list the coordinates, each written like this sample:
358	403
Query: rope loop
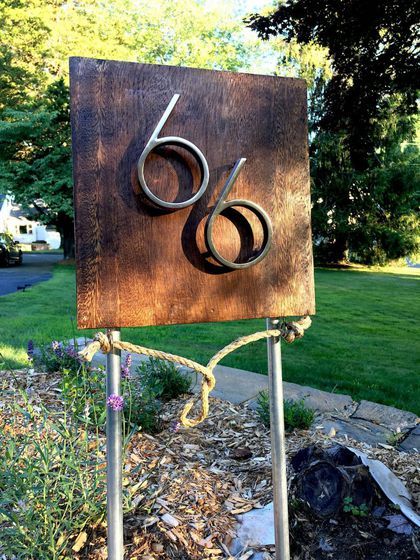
289	331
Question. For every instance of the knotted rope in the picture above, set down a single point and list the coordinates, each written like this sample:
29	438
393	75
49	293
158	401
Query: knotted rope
289	331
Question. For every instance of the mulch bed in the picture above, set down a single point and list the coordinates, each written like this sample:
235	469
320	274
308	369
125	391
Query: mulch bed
190	485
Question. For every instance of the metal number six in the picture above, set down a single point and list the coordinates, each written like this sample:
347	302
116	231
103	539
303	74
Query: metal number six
154	142
221	205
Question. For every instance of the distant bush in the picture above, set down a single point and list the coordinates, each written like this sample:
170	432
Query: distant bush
296	414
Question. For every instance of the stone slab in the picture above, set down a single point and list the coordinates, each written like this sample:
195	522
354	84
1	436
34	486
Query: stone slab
320	401
388	416
238	385
412	442
359	430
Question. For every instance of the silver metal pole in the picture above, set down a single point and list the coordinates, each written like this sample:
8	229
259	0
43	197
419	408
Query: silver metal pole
114	456
278	449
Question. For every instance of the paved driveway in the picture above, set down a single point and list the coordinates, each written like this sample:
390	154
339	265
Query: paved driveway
35	268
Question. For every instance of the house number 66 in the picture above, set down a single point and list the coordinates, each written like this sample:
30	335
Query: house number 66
221	204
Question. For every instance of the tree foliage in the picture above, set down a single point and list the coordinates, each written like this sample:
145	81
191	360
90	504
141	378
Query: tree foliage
364	179
37	38
35	164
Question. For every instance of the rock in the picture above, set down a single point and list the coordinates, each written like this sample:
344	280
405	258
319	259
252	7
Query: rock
388	416
320	401
412	442
241	453
399	524
157	547
359	430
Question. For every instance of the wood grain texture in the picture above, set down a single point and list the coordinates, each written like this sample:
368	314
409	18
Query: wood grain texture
137	265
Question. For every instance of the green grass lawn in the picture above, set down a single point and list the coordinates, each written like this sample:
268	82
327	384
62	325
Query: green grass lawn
364	341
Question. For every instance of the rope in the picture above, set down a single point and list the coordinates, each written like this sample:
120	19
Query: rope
289	331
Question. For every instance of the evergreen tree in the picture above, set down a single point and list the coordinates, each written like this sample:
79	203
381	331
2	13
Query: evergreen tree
364	180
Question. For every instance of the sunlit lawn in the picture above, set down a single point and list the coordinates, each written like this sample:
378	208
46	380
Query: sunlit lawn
364	341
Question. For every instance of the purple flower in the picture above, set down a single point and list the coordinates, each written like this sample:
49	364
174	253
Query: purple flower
30	350
125	372
71	351
56	347
125	368
115	402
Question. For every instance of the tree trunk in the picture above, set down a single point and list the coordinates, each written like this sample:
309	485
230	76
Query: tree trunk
65	226
328	479
339	247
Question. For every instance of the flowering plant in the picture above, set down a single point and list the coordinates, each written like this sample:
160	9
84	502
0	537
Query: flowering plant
115	402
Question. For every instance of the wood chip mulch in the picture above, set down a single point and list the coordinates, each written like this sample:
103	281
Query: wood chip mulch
203	477
189	486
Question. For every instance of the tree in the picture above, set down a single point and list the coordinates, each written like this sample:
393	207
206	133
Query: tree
36	164
38	36
377	217
23	48
373	88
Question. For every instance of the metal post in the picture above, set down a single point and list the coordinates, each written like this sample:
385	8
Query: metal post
278	450
114	456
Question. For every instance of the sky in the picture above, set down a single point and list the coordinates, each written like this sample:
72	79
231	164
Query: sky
251	5
265	61
245	6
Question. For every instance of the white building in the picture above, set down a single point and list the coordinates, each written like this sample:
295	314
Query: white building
23	229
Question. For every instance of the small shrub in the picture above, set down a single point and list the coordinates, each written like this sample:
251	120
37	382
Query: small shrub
163	379
82	386
263	407
55	357
142	409
52	480
154	382
52	483
296	414
84	394
395	438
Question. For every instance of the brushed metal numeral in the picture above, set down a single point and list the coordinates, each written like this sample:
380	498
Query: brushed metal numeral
222	205
153	143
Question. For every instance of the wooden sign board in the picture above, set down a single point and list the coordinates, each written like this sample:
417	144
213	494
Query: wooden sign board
139	263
